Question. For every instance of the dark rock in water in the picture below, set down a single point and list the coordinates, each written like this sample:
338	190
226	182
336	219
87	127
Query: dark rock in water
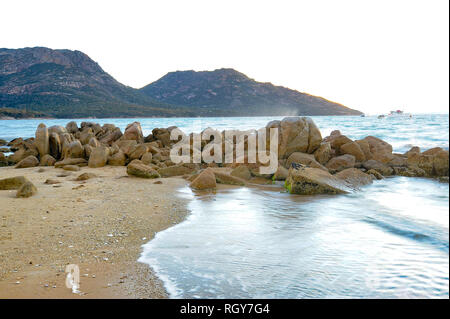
12	182
26	190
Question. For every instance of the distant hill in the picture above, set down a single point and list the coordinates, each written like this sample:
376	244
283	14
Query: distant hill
64	83
41	82
229	92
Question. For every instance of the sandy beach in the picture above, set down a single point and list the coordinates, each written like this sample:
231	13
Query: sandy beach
99	224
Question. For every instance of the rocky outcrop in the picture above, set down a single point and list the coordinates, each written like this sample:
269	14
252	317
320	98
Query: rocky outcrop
353	148
133	132
340	163
310	181
205	180
295	134
99	157
42	140
223	178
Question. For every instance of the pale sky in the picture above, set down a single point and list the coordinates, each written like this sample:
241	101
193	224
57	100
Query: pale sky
370	55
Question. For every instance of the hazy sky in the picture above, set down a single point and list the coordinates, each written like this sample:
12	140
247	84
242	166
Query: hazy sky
370	55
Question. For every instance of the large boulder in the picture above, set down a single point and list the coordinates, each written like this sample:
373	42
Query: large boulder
223	178
147	158
99	157
72	127
74	150
381	168
295	134
12	182
26	190
365	148
340	163
440	163
353	148
118	159
241	172
41	141
305	159
354	177
136	168
176	170
137	151
111	136
309	181
337	141
421	161
47	160
133	132
30	161
58	129
381	151
205	180
323	153
86	135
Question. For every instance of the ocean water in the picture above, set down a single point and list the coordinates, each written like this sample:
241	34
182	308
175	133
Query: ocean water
389	240
423	130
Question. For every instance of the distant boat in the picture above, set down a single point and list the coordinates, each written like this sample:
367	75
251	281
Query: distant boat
399	113
382	116
363	115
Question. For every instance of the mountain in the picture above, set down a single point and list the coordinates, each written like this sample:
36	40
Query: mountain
41	82
227	92
65	83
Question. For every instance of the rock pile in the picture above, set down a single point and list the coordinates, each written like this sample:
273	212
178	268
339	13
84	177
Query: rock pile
307	162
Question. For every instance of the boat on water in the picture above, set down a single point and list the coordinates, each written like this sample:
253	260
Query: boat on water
396	113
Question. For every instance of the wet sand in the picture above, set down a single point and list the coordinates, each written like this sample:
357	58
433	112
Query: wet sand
99	224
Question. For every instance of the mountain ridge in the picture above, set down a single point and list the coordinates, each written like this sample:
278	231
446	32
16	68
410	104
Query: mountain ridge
66	83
